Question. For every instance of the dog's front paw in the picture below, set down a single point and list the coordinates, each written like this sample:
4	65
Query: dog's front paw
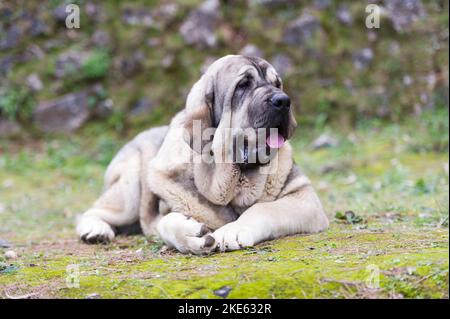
234	236
185	234
93	230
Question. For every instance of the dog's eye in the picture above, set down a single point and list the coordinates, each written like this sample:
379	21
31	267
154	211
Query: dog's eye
244	83
277	84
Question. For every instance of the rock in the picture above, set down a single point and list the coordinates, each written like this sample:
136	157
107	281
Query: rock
407	80
66	114
94	12
300	30
372	36
53	44
9	128
137	17
130	65
39	27
100	39
6	64
324	141
251	50
363	58
34	82
283	64
4	243
69	63
93	296
167	60
403	13
274	3
142	107
59	14
344	15
333	167
10	254
36	51
165	13
153	42
71	111
322	4
6	14
104	109
198	28
10	38
2	210
223	291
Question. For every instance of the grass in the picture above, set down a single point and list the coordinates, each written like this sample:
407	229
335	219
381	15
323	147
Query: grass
393	178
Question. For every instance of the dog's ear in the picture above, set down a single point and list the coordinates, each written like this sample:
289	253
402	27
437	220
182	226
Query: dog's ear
292	125
199	113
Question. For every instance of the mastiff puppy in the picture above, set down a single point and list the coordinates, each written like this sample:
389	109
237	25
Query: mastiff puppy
220	176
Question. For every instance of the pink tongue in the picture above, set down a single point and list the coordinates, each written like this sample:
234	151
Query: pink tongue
275	141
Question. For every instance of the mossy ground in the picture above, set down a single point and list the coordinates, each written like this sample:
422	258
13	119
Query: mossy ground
394	176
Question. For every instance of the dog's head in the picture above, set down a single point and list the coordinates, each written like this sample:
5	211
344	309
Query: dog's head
243	96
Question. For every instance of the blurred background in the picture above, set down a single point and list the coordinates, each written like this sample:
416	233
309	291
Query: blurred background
132	63
372	107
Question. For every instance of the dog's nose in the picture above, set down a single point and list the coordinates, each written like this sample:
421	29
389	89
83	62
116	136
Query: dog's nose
280	101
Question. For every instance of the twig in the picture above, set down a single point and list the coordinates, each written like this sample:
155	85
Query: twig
26	296
428	276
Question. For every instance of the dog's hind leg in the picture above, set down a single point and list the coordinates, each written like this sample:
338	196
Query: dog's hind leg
117	206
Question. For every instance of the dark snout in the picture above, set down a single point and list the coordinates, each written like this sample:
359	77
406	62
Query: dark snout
275	112
279	112
280	101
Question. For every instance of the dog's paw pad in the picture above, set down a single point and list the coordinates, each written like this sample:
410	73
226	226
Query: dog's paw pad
97	239
94	231
209	241
203	230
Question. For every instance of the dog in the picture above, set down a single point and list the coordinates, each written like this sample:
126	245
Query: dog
221	192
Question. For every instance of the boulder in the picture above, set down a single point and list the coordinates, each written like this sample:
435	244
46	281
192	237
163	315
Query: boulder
34	82
274	3
69	63
344	15
283	64
59	13
39	27
324	141
403	13
322	4
142	107
65	114
137	17
251	50
300	30
198	28
130	65
101	39
10	37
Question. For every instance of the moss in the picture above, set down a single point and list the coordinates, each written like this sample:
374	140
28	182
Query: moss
299	267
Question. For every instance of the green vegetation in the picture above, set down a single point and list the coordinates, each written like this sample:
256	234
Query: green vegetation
395	185
16	103
96	65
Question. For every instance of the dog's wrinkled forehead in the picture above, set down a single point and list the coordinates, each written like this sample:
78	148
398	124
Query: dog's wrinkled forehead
230	67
